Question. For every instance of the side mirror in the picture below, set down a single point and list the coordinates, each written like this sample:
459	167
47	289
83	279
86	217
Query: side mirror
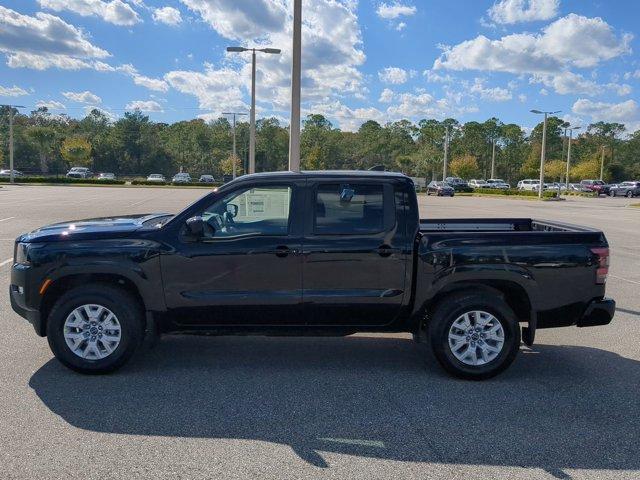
232	210
195	226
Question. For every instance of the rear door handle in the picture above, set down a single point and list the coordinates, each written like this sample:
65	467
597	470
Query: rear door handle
385	251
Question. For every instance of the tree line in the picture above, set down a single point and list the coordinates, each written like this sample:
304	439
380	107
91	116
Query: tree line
135	145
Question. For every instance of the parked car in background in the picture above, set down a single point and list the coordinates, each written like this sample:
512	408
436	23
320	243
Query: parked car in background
554	187
181	178
575	187
107	176
625	189
529	184
498	183
206	179
594	186
7	173
458	184
79	172
441	189
473	183
156	177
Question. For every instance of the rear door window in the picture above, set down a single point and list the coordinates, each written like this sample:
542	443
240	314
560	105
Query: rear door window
343	209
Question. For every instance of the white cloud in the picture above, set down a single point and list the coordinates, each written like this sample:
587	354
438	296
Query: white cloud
216	90
114	11
567	83
549	52
349	119
623	112
156	84
391	11
495	94
50	104
434	77
241	20
401	26
393	75
630	75
386	96
167	15
331	56
12	91
83	97
515	11
145	106
45	41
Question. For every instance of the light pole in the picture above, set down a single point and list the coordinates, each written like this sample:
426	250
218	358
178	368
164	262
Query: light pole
234	138
493	158
446	152
602	164
543	152
252	128
296	69
571	129
11	107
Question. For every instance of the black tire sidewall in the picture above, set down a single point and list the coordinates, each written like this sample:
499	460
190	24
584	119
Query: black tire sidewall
449	310
123	307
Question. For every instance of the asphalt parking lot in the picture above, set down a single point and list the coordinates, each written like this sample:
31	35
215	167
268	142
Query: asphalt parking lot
358	407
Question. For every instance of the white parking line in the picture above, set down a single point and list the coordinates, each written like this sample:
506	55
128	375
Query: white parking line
8	260
624	279
4	219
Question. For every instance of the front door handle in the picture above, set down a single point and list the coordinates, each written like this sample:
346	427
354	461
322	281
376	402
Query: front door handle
282	251
385	250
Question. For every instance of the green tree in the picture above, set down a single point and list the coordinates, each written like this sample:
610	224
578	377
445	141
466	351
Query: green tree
44	139
76	151
465	166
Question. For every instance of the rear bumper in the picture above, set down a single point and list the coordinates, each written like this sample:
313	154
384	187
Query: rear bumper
599	312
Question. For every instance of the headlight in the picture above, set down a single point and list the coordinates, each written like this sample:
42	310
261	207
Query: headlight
22	254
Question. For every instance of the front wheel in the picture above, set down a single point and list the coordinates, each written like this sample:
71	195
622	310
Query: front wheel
474	335
629	194
95	328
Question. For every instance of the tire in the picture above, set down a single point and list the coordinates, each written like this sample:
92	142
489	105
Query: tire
128	315
612	193
450	310
629	194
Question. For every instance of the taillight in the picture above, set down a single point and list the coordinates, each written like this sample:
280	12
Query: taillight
603	264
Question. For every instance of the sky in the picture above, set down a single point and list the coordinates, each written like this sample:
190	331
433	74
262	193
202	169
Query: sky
362	60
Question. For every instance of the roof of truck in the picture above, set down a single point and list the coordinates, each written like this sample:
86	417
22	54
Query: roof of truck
329	173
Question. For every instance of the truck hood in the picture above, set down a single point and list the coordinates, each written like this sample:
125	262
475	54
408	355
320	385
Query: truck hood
98	228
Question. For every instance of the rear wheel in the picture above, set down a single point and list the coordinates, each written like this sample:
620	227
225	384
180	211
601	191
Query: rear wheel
629	194
612	193
95	328
474	336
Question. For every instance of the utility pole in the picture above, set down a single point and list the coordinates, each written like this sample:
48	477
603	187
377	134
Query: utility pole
296	70
446	152
11	172
569	154
235	157
252	116
602	164
543	152
493	159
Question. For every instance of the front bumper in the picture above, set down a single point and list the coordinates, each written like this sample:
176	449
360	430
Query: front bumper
18	294
599	312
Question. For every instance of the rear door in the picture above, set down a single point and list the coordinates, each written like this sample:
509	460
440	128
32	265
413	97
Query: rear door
354	263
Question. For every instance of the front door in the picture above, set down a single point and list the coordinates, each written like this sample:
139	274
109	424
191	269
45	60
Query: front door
354	264
247	269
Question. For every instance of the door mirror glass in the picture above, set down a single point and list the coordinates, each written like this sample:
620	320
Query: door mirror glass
195	227
232	210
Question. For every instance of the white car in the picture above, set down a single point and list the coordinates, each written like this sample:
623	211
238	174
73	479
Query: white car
79	172
7	173
529	184
107	176
156	177
473	183
498	183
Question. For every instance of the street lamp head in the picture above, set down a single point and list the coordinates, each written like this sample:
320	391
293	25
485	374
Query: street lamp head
237	49
536	111
275	51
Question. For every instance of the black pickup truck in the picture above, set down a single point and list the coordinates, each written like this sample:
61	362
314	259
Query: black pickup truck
312	253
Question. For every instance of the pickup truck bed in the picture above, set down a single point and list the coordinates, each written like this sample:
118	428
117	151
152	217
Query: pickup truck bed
311	253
